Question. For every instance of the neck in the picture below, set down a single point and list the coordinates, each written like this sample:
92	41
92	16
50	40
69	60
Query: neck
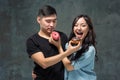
43	34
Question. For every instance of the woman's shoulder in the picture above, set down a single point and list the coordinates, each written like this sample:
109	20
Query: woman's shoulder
91	49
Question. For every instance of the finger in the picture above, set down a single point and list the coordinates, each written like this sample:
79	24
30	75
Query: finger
50	39
70	43
34	75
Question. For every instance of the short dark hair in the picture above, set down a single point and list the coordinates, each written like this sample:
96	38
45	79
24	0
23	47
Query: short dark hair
47	10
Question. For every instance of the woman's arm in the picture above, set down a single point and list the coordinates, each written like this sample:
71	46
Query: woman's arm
67	64
71	49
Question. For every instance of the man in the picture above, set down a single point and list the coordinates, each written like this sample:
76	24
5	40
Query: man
47	58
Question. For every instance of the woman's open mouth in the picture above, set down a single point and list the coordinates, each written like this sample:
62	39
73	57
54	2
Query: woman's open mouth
79	34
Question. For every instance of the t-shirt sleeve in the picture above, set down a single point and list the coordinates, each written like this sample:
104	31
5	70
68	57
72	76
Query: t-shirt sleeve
31	47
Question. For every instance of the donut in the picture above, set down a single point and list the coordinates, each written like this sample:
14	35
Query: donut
75	41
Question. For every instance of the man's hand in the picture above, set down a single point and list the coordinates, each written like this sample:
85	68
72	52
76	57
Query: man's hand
33	75
57	43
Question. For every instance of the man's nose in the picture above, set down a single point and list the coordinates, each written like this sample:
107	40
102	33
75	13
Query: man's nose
51	24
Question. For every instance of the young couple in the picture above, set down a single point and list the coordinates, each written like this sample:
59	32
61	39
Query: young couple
59	60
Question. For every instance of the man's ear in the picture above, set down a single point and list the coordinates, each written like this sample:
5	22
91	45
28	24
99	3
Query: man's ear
38	19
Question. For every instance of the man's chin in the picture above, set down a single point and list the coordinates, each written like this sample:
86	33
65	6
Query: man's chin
50	31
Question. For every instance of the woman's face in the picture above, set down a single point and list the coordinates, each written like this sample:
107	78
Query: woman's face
81	28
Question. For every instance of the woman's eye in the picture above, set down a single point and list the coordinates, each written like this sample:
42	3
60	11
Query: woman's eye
84	25
76	25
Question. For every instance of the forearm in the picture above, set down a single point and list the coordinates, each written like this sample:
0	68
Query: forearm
53	60
49	61
66	61
67	64
57	58
46	62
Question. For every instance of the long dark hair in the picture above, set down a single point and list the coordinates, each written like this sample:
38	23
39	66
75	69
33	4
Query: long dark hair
89	39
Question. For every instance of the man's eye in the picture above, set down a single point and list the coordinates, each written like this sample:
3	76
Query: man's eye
48	21
54	21
83	25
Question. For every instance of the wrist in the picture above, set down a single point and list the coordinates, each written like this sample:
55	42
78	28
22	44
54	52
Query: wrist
60	49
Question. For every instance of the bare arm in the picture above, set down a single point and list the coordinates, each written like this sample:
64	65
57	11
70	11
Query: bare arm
40	59
67	64
49	61
46	62
66	61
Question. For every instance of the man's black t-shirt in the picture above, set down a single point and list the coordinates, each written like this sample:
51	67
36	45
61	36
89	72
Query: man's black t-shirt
37	43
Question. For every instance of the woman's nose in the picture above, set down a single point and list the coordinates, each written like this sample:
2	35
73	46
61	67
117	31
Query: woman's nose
79	27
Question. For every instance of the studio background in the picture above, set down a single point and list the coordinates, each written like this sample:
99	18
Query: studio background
18	22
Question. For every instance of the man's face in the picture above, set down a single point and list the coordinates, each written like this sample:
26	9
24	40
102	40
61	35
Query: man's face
48	23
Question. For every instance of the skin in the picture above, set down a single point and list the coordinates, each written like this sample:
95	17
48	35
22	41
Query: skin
47	25
80	30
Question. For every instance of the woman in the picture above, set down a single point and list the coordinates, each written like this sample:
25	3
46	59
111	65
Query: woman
80	65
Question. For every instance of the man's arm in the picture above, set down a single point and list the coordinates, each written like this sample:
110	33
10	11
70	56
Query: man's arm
49	61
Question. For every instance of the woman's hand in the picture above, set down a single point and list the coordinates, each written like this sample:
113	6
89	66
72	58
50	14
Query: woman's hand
73	49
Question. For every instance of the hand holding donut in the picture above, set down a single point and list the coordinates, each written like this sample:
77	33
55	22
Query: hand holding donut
75	41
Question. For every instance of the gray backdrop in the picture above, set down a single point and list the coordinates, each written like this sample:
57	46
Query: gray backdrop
18	22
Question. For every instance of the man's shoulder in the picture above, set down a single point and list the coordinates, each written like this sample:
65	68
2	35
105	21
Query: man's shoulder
63	36
32	36
61	33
